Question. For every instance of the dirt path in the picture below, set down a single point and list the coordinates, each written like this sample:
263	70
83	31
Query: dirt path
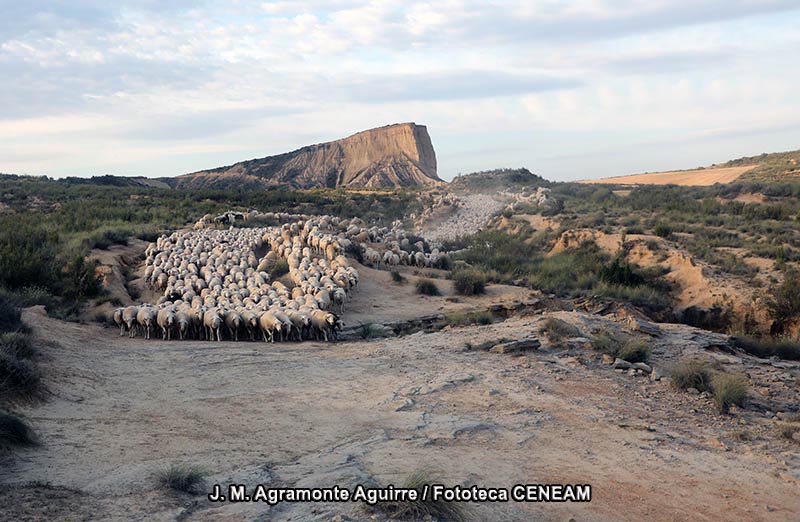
320	414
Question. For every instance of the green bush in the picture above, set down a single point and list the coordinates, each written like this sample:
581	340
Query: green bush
397	277
765	348
186	479
607	342
15	432
729	389
691	373
278	269
17	375
463	319
620	273
366	330
557	329
634	351
10	316
787	431
469	282
783	305
662	230
427	287
16	344
423	508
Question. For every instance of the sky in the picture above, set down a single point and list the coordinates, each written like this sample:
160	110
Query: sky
569	89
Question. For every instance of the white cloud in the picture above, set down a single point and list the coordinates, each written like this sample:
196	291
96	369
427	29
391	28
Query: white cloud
144	82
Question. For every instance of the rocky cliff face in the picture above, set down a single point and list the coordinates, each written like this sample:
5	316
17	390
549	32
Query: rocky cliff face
391	156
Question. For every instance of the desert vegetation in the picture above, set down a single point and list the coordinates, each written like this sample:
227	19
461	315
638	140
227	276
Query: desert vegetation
183	478
427	287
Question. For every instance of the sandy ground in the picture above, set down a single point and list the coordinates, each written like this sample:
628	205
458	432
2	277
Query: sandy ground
120	410
380	300
698	177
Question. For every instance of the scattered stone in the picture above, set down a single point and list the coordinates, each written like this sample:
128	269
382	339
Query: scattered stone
620	364
642	366
692	391
646	327
607	359
579	343
493	392
657	374
516	346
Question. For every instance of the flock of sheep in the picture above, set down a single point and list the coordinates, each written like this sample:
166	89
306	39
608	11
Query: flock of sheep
216	282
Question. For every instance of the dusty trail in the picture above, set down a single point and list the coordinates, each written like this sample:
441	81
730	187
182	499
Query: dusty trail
318	414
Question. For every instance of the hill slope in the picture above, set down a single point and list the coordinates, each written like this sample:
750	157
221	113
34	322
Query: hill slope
774	167
395	155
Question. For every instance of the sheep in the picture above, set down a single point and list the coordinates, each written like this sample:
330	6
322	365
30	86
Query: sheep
324	324
301	323
214	273
166	321
184	322
233	320
250	321
129	315
286	328
269	325
145	317
213	323
119	321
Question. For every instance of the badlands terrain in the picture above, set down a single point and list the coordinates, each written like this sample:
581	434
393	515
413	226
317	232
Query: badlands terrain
119	411
496	330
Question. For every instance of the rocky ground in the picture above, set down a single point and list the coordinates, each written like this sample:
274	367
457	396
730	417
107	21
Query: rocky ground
119	411
470	217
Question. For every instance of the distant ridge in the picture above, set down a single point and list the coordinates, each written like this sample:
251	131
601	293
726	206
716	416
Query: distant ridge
776	167
397	155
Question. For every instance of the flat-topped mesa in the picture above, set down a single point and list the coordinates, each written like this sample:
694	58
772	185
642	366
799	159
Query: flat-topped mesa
397	155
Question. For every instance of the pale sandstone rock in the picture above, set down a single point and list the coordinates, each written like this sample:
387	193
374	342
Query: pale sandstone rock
395	155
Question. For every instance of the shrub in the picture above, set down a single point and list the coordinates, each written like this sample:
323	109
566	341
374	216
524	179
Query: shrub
691	373
783	305
729	389
17	375
278	269
620	273
460	319
634	351
662	230
15	432
765	348
16	344
427	287
397	277
354	250
787	431
186	479
10	317
557	329
606	342
469	282
366	330
444	262
423	509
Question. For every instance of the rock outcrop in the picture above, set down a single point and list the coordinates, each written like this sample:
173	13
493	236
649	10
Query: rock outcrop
395	155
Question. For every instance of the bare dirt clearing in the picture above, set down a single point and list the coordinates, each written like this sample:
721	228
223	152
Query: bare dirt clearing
697	177
315	414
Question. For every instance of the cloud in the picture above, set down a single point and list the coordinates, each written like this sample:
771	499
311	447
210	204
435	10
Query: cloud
455	85
199	125
145	77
